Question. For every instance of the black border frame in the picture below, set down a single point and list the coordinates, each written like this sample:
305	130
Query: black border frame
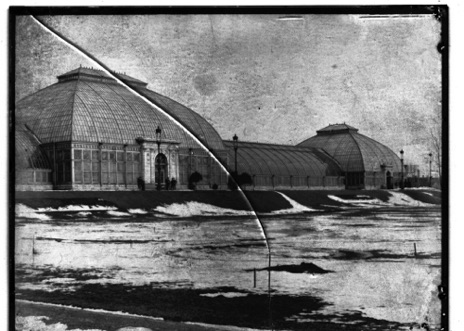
441	13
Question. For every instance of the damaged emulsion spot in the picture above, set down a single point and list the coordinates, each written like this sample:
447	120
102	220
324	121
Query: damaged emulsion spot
205	84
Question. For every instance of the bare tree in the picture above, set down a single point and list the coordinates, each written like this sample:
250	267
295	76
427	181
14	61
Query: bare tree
436	143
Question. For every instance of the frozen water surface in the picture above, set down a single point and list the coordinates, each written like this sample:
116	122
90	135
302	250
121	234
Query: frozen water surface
375	268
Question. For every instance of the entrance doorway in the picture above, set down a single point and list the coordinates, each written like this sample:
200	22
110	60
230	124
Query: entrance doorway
389	180
161	169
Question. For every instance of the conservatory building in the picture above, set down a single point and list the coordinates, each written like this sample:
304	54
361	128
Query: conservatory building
90	132
364	162
101	135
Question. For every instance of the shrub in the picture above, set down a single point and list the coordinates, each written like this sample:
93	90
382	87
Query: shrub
245	179
194	179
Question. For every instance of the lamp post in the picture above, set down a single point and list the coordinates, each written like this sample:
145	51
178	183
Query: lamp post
402	174
235	139
430	169
190	163
158	157
406	175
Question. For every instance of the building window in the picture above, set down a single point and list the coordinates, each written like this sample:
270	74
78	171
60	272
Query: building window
77	154
132	167
104	167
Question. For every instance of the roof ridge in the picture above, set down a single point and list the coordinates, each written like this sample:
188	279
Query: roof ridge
73	102
97	132
100	74
264	143
111	110
359	149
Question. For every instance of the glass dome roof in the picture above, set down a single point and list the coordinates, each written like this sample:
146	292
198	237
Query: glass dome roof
281	160
86	105
353	151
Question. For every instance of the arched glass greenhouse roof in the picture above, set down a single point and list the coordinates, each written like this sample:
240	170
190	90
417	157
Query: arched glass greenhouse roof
281	160
353	151
28	153
86	105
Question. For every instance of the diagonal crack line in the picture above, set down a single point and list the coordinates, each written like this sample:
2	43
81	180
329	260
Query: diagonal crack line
108	71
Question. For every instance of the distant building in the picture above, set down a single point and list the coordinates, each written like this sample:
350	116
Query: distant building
88	132
364	162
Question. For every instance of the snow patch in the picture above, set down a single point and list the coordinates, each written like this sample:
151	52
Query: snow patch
27	212
117	213
193	208
421	188
224	327
137	211
62	280
36	323
224	294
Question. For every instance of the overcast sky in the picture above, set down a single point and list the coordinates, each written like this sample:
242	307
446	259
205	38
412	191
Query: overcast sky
261	77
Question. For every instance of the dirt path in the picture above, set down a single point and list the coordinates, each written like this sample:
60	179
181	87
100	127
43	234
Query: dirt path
77	318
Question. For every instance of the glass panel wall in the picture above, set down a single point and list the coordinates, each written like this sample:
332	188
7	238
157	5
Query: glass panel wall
114	167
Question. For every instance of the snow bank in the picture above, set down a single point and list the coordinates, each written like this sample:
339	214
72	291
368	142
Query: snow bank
368	203
295	209
401	199
27	212
76	208
395	199
193	208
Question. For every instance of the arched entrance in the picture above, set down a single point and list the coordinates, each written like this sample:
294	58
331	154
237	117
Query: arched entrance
161	169
389	180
